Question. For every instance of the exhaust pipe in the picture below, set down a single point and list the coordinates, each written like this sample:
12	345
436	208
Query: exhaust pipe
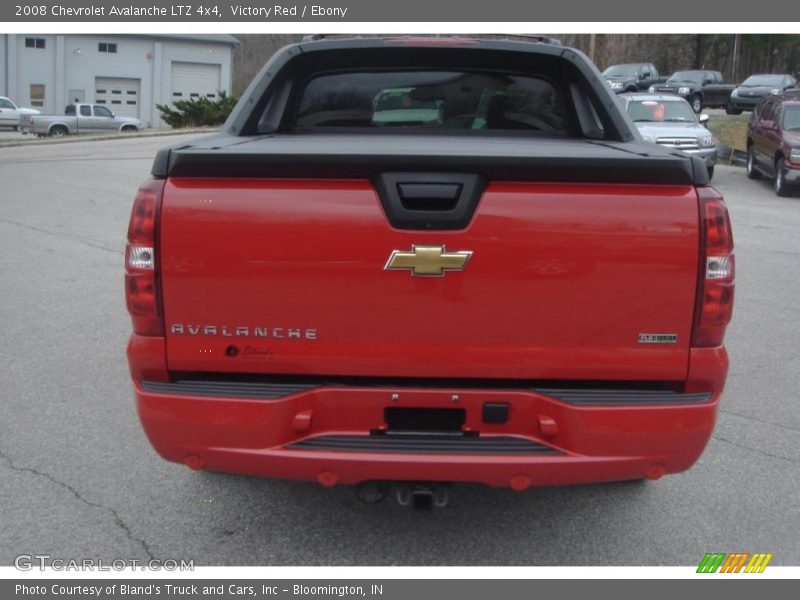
372	492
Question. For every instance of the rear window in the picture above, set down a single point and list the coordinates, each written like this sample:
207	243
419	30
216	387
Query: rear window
438	100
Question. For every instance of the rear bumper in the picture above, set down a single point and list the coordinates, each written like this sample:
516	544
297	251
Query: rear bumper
323	433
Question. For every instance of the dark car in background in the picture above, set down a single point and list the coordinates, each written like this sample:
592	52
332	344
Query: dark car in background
700	88
632	77
773	142
754	88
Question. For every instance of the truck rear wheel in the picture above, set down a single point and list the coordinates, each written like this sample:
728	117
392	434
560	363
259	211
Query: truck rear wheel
58	131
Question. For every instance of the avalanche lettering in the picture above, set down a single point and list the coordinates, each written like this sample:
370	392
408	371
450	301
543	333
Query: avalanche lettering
137	11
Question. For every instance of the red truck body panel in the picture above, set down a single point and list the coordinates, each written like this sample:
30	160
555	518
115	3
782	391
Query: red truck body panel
547	294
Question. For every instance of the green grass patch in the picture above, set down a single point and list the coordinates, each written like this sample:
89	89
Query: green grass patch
730	130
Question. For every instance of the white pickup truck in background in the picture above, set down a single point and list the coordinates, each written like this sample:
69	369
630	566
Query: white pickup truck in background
11	115
78	118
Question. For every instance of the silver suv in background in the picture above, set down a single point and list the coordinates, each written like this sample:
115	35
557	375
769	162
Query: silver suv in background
668	120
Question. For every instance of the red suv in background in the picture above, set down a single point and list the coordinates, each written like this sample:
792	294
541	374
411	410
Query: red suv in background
773	141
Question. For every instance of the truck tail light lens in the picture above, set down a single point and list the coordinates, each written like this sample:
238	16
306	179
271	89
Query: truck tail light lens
142	289
141	257
714	303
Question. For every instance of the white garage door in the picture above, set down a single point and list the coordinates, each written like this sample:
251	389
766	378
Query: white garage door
121	96
191	81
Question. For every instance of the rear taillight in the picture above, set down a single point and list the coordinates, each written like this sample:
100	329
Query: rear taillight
714	304
142	293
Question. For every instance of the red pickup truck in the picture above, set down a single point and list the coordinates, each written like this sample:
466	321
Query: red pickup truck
490	279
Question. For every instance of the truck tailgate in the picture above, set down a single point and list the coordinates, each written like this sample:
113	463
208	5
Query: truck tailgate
287	276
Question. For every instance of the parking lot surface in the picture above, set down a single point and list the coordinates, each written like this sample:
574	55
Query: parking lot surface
78	479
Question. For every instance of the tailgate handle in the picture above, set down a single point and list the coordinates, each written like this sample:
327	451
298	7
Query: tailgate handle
438	191
414	200
429	196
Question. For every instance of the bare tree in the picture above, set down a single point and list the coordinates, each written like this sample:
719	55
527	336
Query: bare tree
669	52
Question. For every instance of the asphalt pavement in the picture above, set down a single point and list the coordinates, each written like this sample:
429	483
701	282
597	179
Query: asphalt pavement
78	478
